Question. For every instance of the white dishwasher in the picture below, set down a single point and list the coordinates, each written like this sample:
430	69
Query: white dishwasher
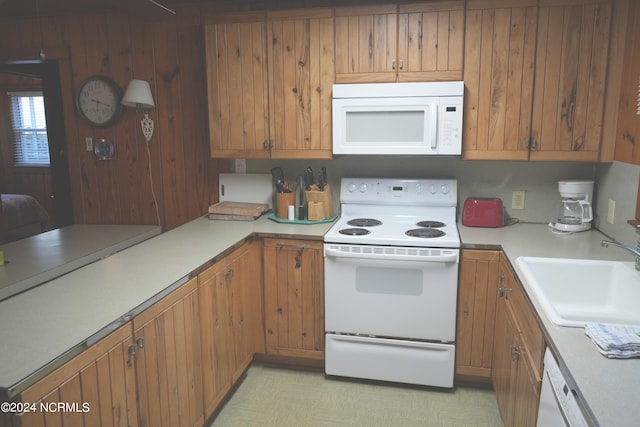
558	405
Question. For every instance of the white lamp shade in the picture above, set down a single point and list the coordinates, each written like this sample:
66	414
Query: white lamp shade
138	95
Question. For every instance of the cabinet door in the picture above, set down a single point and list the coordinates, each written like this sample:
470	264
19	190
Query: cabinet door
430	41
101	377
628	129
168	364
571	72
245	290
231	320
504	366
477	295
366	44
498	75
218	356
237	93
301	75
294	298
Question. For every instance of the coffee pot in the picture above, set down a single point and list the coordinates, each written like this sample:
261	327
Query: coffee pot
575	211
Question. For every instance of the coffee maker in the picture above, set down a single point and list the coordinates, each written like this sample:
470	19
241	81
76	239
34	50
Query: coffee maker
575	212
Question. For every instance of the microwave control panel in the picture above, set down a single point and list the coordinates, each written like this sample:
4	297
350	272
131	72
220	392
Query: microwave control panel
450	130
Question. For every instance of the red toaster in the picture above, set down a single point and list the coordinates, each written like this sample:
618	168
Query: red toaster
483	212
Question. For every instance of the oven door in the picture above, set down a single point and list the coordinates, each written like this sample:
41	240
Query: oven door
391	292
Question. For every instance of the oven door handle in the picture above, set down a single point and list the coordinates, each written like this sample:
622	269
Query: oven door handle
392	257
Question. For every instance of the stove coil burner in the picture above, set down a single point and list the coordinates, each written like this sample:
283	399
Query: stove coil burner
354	231
364	222
431	224
425	233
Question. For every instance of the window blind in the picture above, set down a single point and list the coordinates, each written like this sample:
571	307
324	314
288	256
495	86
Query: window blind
30	142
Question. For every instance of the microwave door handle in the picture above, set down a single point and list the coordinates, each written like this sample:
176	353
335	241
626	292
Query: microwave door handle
434	126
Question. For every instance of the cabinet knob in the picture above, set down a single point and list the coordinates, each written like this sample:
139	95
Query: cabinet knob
515	353
503	292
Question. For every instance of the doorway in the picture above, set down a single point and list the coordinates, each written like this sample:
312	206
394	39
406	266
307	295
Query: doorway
58	202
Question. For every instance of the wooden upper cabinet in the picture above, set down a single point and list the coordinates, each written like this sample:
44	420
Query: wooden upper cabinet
498	74
430	41
301	76
388	43
269	84
236	56
628	129
571	73
535	75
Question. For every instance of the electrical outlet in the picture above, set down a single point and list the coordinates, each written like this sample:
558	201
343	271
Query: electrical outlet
612	211
240	166
517	199
88	142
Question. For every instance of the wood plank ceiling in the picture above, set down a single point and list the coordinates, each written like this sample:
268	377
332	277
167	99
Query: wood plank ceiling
154	9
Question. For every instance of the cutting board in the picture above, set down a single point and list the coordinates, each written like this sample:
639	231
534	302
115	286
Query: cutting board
237	211
246	187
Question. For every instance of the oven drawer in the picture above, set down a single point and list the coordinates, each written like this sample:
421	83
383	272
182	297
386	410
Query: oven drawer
411	362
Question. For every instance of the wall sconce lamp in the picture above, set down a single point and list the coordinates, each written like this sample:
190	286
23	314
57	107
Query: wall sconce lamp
138	95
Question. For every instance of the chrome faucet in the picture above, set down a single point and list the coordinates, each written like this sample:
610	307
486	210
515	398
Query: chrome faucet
607	243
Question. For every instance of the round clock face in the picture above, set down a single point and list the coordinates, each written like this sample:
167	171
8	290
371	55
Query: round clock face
98	101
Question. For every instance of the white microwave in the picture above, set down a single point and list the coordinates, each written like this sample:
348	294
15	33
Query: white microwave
398	118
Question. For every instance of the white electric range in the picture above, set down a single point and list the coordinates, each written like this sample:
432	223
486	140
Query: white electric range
391	281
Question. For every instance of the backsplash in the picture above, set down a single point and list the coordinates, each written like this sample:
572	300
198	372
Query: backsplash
539	180
619	182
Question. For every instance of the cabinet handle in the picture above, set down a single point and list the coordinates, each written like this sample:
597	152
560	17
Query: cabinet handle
133	351
515	353
140	342
503	292
393	64
401	64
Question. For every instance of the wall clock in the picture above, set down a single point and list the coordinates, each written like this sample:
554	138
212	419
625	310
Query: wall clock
98	101
104	149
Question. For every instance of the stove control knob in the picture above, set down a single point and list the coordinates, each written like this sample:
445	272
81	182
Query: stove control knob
419	188
444	189
352	188
433	189
363	188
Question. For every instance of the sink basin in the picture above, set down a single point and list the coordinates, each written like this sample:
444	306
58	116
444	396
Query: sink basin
573	292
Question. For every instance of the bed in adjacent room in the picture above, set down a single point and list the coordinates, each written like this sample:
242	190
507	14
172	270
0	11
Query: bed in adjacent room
23	216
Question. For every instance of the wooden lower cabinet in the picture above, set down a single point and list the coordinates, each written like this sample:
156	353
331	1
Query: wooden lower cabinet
517	353
231	320
477	296
168	363
294	298
100	381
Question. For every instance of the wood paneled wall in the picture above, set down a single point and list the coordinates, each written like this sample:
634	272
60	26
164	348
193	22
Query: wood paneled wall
170	55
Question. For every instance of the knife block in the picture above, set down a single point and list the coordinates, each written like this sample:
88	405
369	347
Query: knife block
319	204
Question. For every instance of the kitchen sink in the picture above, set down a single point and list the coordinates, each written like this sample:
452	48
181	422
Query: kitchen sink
573	292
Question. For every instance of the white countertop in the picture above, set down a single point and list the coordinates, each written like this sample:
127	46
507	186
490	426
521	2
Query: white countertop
608	386
34	260
54	321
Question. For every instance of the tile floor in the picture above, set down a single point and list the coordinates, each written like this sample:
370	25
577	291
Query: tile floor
271	396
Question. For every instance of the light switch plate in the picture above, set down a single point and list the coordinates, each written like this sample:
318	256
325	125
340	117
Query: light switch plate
611	212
